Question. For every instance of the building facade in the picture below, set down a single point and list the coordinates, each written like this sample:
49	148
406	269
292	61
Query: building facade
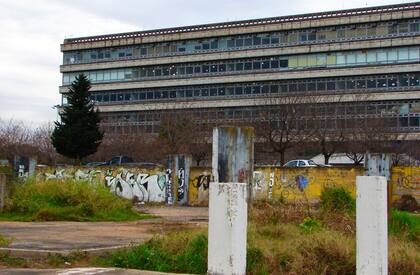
359	64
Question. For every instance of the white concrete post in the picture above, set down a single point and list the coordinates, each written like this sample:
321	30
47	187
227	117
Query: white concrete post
227	228
371	225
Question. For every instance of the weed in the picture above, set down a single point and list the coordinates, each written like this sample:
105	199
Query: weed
405	224
309	225
72	200
337	199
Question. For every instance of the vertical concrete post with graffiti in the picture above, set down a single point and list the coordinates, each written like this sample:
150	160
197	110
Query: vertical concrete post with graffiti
233	159
182	168
233	155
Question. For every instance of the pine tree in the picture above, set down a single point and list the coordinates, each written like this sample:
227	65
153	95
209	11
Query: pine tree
77	135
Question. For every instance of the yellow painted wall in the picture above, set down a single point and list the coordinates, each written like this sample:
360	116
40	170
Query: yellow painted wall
297	184
405	181
198	189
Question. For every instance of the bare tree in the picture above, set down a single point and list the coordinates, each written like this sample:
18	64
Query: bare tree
281	123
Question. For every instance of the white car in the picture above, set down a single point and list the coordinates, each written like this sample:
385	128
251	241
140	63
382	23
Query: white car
301	163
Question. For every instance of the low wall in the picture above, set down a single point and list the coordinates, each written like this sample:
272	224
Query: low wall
291	184
405	181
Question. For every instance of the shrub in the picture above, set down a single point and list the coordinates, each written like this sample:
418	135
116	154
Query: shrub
72	200
309	225
185	252
337	199
405	224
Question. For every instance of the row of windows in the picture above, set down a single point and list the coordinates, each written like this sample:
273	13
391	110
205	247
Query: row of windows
360	115
403	124
274	39
344	84
406	108
304	61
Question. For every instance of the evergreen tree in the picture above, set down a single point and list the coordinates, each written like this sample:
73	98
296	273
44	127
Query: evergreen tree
78	134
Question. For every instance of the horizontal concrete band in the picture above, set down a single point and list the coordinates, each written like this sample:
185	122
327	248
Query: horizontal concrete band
334	21
259	101
261	52
252	77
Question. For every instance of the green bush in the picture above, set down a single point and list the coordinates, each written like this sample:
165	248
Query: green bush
186	253
309	225
337	199
72	200
404	223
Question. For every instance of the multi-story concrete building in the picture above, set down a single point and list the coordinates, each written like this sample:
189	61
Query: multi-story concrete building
365	62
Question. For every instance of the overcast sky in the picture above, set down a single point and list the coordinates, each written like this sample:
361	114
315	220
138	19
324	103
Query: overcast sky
31	32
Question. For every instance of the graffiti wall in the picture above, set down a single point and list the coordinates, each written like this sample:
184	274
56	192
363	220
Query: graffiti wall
183	185
144	185
301	184
405	181
200	179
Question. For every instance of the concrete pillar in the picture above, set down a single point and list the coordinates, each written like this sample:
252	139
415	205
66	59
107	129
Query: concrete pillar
2	190
233	163
371	225
182	168
233	155
177	179
227	228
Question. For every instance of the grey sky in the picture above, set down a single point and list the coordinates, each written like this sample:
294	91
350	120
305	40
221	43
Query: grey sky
31	32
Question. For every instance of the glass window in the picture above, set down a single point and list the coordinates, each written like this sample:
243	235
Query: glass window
403	54
265	64
403	80
371	56
392	82
351	58
414	53
320	86
284	63
381	56
239	66
274	89
248	66
392	55
371	83
302	61
274	64
238	90
257	65
361	57
321	59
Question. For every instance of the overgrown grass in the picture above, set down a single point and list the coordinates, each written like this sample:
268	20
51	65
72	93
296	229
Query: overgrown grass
66	200
404	224
177	252
337	199
4	242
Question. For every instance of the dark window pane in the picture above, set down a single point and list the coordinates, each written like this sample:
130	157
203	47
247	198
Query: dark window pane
320	86
239	66
392	82
205	92
238	90
274	64
274	89
311	86
248	66
265	65
257	65
222	67
256	89
284	63
371	83
213	91
248	90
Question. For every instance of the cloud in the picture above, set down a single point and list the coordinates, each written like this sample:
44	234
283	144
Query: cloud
31	33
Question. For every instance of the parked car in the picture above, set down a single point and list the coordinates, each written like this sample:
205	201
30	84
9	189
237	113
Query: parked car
301	163
127	161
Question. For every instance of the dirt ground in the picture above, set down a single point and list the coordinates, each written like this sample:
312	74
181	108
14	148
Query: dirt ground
65	237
